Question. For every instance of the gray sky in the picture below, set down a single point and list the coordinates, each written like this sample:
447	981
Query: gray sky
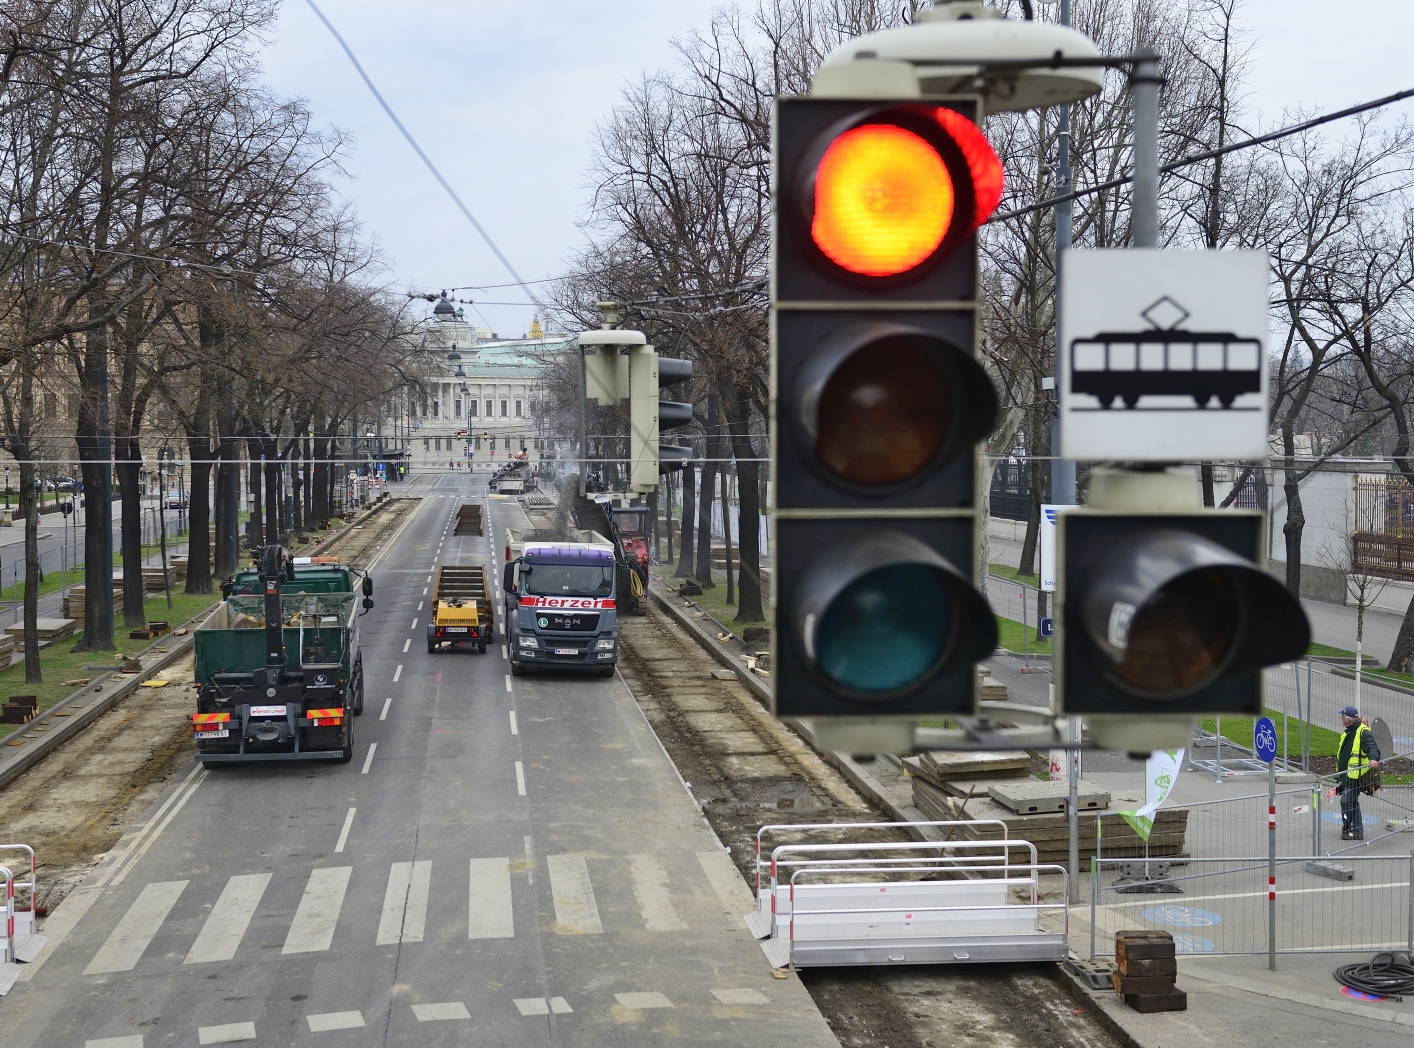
504	96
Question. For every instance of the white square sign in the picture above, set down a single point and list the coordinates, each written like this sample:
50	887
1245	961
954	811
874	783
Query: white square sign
1163	355
1047	545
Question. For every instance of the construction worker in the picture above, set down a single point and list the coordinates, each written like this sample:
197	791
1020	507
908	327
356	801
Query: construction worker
1357	754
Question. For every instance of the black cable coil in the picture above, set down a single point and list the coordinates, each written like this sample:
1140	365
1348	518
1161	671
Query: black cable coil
1384	975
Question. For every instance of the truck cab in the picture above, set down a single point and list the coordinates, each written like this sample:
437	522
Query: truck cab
561	607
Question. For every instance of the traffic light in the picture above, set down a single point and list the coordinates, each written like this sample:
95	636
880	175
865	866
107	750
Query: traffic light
878	403
1167	617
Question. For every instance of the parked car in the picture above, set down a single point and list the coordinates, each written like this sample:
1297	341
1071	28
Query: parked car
176	502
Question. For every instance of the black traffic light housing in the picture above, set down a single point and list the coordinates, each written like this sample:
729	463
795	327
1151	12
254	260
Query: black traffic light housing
1169	613
673	414
878	403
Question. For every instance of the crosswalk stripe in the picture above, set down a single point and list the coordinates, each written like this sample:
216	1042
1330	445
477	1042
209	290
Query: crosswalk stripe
313	926
726	884
226	1033
130	938
405	903
227	922
133	1040
575	910
427	1013
490	915
650	888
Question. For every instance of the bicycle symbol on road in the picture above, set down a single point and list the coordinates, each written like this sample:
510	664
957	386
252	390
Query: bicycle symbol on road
1181	917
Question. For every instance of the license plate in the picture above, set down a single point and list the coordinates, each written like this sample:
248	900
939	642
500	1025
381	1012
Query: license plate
454	629
267	711
566	651
224	733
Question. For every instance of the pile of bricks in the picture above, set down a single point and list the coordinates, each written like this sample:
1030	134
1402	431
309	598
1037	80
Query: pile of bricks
19	709
1146	968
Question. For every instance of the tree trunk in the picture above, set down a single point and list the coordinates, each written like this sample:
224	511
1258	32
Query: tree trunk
1401	660
749	526
29	510
130	503
1206	472
1295	524
272	491
706	491
686	549
98	509
227	488
255	524
199	517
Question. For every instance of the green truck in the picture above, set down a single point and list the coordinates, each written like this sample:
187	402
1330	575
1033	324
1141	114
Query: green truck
278	664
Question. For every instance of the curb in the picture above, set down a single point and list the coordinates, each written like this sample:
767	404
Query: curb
59	730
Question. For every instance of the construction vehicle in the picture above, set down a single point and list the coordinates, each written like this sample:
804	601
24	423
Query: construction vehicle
461	608
624	519
561	604
514	477
468	520
279	668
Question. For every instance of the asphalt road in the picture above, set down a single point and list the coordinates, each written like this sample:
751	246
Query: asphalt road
509	862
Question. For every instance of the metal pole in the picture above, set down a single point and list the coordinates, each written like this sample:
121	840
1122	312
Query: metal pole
1073	804
1144	83
1095	899
1409	943
583	409
1272	864
1218	763
1062	473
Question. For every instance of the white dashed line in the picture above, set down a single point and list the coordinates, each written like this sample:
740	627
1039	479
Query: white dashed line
388	702
348	825
514	730
419	606
505	652
414	625
407	644
368	761
424	591
508	682
520	778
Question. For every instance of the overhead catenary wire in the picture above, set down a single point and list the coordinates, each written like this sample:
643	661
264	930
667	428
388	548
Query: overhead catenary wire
1210	154
519	280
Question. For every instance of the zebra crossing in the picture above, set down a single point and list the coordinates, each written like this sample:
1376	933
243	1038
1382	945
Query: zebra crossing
404	915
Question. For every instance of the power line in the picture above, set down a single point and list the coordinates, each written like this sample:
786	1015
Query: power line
1211	154
178	263
425	158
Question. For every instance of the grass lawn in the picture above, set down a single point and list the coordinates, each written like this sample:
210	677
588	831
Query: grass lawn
1324	742
1007	572
59	662
714	601
1012	636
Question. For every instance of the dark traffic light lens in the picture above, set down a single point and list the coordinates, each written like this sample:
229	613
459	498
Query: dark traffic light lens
886	630
883	413
1182	636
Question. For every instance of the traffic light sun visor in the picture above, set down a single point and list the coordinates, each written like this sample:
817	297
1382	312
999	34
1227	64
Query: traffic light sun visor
1170	612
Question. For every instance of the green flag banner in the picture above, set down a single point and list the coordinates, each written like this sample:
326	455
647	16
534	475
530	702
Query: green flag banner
1160	775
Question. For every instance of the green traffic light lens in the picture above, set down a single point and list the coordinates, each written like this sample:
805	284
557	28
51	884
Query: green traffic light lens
886	630
883	413
1182	637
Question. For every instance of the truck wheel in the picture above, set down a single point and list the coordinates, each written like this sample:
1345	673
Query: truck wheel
347	755
481	648
431	648
358	700
517	670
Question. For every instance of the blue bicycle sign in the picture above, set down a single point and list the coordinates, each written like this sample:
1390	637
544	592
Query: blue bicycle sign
1264	739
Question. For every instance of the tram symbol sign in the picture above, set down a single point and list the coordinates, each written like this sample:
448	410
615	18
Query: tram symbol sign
1163	355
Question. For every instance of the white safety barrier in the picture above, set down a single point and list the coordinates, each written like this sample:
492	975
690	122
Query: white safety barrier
19	941
914	902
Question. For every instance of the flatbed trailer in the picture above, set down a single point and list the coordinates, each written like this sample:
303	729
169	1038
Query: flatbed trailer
462	611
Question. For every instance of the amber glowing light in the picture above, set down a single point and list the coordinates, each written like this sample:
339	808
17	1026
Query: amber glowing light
883	200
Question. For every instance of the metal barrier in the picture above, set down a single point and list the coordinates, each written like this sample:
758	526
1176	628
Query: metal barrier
895	902
1223	905
24	917
7	952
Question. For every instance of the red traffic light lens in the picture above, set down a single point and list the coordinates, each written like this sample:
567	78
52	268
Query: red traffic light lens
883	200
983	164
1182	636
883	413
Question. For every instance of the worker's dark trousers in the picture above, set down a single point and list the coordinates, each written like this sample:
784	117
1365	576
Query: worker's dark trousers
1351	820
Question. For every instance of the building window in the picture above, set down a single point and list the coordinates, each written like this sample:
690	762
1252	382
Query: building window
471	409
426	444
505	408
434	409
478	443
518	414
51	405
489	409
522	443
459	407
439	443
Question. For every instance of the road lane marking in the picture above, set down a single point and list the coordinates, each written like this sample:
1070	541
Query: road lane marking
576	913
530	859
643	1000
490	915
344	833
514	730
313	928
367	761
726	882
405	903
740	997
650	888
540	1006
520	778
139	850
125	945
397	673
386	704
226	1033
334	1021
508	682
130	1041
424	591
427	1013
419	606
407	644
505	651
429	578
229	918
414	625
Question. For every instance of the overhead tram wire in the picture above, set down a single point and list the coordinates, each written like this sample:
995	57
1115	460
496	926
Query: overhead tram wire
1211	154
519	280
